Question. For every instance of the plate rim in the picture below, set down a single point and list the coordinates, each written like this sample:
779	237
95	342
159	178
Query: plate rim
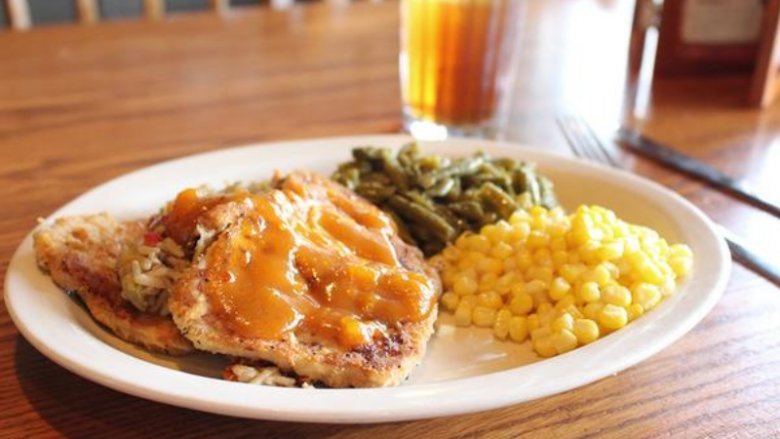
458	399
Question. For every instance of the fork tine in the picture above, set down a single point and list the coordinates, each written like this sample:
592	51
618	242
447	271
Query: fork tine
573	134
584	142
563	124
605	152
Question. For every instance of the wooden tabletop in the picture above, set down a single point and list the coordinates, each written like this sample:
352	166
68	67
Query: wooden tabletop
82	104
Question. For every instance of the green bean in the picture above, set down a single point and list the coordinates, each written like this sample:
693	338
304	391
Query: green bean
434	198
374	192
441	188
376	177
530	184
403	231
470	210
349	177
418	214
367	154
455	191
394	171
452	219
489	218
426	181
460	167
547	192
500	201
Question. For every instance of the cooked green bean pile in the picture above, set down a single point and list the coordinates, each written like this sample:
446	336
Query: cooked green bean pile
434	199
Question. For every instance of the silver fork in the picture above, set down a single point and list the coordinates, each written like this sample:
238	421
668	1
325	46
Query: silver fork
586	144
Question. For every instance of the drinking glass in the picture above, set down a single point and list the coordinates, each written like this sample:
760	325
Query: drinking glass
455	65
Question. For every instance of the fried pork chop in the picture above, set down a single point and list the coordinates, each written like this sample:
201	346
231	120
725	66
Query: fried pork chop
313	279
81	254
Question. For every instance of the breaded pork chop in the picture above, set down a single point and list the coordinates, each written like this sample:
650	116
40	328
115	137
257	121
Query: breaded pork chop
301	248
81	253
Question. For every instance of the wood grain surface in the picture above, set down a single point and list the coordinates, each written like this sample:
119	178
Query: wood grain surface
82	104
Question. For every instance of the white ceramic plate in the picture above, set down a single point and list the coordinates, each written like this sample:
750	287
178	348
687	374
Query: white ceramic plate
463	372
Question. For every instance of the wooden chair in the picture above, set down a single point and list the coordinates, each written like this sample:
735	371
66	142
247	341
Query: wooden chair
87	11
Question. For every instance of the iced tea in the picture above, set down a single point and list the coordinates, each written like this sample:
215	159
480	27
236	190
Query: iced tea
454	56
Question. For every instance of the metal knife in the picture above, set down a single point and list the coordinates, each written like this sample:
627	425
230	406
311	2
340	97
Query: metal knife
681	162
749	258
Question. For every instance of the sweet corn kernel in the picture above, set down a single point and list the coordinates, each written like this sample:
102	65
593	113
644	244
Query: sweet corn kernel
510	264
470	300
517	288
560	258
478	243
537	211
483	316
464	285
544	308
450	300
566	301
558	244
518	328
572	272
451	253
610	251
556	230
540	273
573	310
681	265
616	295
635	310
487	284
537	239
519	217
505	283
516	235
612	269
462	242
647	295
502	250
542	256
521	304
564	321
559	288
524	259
522	230
490	299
601	275
540	297
564	280
613	317
545	347
463	314
489	265
592	310
589	252
501	327
533	322
564	341
586	330
678	250
535	286
494	232
544	331
589	292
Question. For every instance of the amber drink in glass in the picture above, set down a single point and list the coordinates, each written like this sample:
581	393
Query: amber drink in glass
455	65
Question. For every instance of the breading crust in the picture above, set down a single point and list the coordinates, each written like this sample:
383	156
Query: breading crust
80	253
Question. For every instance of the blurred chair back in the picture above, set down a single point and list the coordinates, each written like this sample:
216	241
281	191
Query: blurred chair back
88	11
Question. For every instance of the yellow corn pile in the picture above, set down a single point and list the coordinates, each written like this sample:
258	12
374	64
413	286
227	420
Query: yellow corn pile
563	280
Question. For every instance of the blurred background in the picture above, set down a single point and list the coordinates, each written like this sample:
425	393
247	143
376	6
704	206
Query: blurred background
62	11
